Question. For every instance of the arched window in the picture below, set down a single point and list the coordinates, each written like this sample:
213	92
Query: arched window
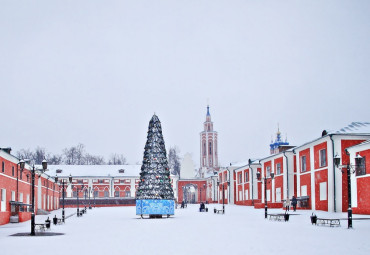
204	149
210	148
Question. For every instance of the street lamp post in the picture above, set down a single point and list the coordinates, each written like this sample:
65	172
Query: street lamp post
21	164
349	169
89	198
44	164
265	184
63	193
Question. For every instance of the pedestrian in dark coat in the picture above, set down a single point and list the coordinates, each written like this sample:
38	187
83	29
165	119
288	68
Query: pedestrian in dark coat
294	203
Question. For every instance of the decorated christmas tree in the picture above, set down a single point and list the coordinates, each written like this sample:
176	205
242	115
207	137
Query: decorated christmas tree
154	195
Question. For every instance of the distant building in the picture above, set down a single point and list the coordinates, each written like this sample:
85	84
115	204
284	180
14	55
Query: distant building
208	148
279	145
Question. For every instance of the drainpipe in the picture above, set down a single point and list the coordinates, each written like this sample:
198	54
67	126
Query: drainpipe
287	174
249	165
335	195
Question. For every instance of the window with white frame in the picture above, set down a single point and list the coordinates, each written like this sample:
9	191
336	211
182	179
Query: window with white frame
116	193
240	195
28	199
13	196
247	176
3	200
268	171
268	195
361	167
278	195
323	191
322	154
96	193
246	194
278	168
304	190
303	164
127	193
21	197
106	193
240	178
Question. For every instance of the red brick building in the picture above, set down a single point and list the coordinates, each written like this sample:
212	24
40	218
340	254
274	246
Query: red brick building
15	190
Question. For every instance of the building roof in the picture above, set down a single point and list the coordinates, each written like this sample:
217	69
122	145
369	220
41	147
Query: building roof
95	170
354	128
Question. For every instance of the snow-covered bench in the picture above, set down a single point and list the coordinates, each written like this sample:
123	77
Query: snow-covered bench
279	217
328	222
40	226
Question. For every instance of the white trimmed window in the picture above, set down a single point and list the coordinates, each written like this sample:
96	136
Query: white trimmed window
240	195
13	196
268	171
268	195
304	190
246	194
323	191
278	168
278	195
21	197
3	200
303	164
322	154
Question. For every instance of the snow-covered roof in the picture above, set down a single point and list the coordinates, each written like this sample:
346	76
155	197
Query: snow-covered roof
95	170
354	128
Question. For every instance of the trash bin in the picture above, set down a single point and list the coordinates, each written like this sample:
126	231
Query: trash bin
286	217
47	223
55	220
313	219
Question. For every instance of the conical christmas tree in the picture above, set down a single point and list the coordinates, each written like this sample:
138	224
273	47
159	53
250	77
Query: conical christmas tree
155	182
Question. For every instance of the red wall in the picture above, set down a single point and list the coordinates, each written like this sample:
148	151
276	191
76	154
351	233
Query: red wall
345	160
321	176
363	184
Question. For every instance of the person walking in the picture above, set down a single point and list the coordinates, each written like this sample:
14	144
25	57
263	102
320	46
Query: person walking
287	204
294	203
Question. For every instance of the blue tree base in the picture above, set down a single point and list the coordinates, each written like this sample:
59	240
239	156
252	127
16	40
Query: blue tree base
155	208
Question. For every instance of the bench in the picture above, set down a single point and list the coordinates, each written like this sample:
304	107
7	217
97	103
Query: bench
278	217
203	210
40	226
328	222
218	211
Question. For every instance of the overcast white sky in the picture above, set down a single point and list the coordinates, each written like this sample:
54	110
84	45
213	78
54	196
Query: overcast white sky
94	72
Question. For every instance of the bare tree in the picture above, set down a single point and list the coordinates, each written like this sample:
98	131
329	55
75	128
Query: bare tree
74	155
174	160
39	155
93	160
24	154
55	159
117	159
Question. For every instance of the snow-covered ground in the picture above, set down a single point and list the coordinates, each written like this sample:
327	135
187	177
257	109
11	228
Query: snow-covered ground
242	230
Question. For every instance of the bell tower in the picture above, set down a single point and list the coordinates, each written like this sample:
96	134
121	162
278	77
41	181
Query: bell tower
208	145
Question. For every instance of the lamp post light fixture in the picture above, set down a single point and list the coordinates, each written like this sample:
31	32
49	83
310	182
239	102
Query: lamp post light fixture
265	184
349	169
63	192
44	164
